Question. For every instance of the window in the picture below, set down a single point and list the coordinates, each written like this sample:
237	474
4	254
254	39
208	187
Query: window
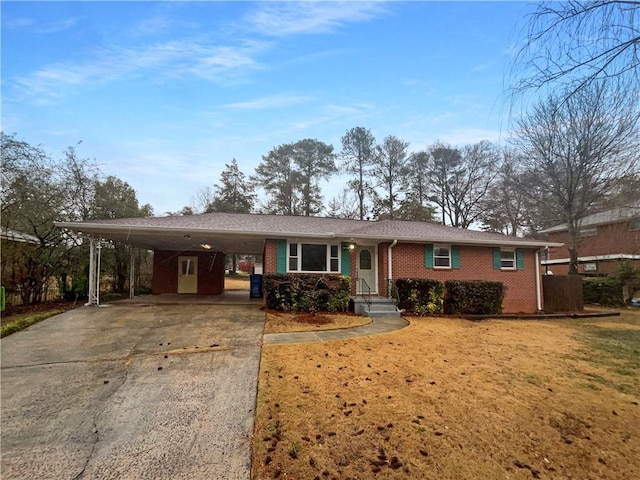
634	224
187	267
314	257
507	259
293	256
441	256
588	232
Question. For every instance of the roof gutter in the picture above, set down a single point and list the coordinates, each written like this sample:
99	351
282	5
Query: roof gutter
97	228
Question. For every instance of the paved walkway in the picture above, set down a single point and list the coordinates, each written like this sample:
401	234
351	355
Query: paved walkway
377	325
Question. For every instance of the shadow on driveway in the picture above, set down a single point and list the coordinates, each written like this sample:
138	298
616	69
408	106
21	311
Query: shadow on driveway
131	391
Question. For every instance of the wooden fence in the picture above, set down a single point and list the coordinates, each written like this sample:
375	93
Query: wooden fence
562	293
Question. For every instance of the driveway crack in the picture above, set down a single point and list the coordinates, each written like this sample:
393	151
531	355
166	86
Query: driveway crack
96	432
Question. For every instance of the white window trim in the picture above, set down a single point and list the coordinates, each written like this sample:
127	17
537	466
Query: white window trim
515	259
329	257
441	267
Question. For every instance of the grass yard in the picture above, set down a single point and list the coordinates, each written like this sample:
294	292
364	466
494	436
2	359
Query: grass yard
455	399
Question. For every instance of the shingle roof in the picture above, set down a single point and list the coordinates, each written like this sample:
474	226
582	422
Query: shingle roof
282	226
602	218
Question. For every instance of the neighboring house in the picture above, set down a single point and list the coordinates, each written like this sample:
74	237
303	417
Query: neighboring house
189	251
604	240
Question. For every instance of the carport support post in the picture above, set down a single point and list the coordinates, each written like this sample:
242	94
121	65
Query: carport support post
131	274
94	272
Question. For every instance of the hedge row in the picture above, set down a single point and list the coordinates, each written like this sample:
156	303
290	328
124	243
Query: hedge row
455	297
603	290
420	295
475	297
307	293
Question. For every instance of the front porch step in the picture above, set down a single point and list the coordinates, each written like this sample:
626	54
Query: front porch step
378	307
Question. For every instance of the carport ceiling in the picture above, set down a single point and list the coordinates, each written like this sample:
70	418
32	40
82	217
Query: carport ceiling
183	241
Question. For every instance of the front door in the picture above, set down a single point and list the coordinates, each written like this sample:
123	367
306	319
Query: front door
366	268
187	274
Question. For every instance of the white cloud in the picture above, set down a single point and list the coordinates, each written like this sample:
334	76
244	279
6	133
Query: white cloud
271	101
194	57
25	23
287	18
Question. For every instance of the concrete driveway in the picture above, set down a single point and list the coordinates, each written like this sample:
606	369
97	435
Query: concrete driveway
130	391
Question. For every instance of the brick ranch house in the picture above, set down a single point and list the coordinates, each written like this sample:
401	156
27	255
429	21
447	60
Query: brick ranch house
189	251
604	240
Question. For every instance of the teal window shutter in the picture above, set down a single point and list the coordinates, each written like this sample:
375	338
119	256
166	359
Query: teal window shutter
455	257
428	255
345	260
281	256
519	259
497	260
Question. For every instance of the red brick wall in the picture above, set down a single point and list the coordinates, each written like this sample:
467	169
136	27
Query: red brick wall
611	239
210	272
476	263
269	260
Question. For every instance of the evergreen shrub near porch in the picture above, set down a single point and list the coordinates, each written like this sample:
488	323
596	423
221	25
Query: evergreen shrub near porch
473	297
307	293
420	295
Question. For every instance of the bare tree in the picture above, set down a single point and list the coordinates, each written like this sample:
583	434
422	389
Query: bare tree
509	209
576	43
358	154
344	205
461	180
577	149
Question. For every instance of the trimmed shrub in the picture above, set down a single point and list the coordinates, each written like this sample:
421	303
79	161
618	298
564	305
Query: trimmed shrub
610	290
473	297
307	293
421	296
602	290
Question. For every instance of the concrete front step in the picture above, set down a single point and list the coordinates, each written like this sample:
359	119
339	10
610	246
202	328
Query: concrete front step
376	314
381	308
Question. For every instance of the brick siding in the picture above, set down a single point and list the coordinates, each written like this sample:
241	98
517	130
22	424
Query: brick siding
611	239
210	271
476	263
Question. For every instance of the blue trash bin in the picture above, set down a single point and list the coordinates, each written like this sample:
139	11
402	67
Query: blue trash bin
255	286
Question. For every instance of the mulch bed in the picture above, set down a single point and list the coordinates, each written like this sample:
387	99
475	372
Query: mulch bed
311	319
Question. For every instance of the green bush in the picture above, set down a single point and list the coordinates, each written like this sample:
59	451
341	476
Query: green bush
421	296
602	290
474	297
609	290
307	293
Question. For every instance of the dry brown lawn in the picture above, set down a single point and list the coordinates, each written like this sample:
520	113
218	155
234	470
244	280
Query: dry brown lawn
284	322
236	283
455	399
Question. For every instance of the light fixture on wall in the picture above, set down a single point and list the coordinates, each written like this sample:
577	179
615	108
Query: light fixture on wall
206	246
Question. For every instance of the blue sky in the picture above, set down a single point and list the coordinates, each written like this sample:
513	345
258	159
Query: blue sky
163	94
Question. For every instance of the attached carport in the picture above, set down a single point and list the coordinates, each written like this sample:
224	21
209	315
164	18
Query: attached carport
188	256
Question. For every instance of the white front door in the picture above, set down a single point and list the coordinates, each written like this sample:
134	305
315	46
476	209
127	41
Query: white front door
366	269
187	274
